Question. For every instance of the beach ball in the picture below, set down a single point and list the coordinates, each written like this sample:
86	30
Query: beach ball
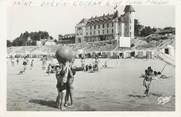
64	53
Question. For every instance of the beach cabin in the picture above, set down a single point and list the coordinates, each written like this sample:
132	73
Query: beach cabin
132	53
121	54
126	54
140	54
169	50
149	54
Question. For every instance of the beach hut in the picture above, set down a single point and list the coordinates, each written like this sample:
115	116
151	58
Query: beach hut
88	55
108	54
139	54
121	54
149	54
132	53
104	55
115	55
126	54
169	50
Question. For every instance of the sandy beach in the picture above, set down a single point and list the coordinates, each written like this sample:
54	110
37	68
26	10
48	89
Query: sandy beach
116	88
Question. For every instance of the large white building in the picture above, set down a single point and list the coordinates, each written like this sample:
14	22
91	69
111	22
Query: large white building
107	27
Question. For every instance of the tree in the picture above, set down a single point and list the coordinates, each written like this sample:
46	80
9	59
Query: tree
137	28
27	38
147	30
51	37
9	43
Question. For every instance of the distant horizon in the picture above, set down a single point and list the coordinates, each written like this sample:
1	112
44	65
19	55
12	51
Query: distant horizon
34	19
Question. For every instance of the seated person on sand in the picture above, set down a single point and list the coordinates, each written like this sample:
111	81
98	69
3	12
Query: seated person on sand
24	66
90	68
61	76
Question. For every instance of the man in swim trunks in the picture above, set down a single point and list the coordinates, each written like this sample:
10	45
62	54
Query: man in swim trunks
147	80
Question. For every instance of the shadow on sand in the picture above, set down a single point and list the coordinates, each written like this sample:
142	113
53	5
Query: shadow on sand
143	96
49	103
136	96
156	94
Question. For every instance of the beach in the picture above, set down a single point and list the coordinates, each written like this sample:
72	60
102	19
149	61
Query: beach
116	88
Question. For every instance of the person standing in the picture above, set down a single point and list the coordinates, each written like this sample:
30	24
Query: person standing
61	76
17	61
25	62
69	92
32	63
148	79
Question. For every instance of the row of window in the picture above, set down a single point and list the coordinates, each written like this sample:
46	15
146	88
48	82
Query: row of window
103	26
99	32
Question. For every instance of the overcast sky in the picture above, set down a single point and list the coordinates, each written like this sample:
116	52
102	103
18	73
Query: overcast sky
62	20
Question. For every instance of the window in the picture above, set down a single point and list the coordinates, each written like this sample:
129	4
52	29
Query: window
90	27
79	40
98	32
98	26
94	32
79	28
112	24
107	31
107	25
102	25
102	31
90	33
94	26
112	31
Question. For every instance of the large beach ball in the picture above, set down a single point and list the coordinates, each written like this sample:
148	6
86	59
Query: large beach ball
64	53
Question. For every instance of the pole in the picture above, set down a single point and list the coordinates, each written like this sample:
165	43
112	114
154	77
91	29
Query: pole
163	68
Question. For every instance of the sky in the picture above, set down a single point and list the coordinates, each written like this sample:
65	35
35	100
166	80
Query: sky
62	20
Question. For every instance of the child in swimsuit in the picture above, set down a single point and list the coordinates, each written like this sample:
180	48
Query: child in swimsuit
69	92
61	76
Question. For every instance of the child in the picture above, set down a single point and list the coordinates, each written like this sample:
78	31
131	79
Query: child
69	92
17	61
61	76
49	69
83	63
32	63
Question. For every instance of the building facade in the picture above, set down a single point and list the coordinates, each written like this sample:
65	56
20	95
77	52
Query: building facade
66	39
106	27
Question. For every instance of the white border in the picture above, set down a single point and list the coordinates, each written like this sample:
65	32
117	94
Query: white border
3	50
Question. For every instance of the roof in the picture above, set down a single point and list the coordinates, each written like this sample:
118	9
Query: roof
83	21
129	8
72	34
101	19
165	31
